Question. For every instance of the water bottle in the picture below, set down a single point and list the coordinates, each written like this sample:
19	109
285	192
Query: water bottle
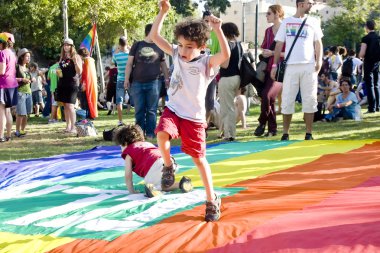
358	113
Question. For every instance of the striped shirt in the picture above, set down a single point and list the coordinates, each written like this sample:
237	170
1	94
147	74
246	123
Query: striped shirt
120	59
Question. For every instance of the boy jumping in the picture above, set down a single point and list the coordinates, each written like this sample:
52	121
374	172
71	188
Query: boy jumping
185	114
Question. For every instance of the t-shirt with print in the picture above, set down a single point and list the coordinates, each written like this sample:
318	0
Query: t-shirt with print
147	60
37	84
8	80
143	154
52	76
188	85
120	58
22	72
303	51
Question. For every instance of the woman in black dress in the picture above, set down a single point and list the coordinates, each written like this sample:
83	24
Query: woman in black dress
70	67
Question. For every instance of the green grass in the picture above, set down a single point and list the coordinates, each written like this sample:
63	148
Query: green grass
43	140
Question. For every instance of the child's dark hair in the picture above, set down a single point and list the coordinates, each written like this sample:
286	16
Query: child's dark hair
127	135
230	30
195	30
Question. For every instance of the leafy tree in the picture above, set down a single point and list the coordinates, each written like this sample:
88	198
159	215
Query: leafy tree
38	24
183	7
216	6
347	27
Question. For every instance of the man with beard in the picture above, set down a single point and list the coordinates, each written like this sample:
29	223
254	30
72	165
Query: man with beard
303	65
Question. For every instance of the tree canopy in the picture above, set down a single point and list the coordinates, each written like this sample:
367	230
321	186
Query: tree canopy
39	24
348	27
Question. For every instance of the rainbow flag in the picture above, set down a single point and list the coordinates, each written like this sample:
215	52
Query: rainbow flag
293	196
89	41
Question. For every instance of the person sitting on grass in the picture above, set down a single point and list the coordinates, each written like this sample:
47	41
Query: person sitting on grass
145	160
346	102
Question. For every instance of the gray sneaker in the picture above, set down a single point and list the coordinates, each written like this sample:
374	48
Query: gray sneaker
213	209
151	191
168	175
185	184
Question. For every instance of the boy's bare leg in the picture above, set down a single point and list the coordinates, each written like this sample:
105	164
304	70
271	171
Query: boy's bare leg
163	142
205	172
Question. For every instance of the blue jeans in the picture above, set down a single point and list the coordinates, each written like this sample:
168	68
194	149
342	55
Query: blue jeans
371	79
145	97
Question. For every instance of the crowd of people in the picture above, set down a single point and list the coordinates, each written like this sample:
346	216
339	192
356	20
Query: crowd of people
202	86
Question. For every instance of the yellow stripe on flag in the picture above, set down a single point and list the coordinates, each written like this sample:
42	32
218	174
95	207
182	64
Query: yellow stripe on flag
246	167
17	243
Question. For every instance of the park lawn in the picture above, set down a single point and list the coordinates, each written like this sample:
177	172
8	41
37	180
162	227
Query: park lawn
43	140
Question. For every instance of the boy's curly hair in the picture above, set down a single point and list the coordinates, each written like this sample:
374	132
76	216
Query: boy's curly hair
128	134
195	30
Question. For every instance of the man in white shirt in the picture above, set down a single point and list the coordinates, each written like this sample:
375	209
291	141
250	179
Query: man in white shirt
303	65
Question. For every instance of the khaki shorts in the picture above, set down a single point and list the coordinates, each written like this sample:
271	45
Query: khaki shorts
303	78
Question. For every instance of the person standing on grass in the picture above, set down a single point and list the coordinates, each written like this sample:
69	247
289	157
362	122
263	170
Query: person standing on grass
38	80
53	81
25	103
185	114
120	58
369	51
70	67
272	88
145	64
8	85
302	67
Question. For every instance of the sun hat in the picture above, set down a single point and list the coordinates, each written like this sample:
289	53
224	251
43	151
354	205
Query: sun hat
10	37
22	51
68	41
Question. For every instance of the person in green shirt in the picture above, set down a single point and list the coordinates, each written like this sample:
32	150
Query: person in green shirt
53	79
213	47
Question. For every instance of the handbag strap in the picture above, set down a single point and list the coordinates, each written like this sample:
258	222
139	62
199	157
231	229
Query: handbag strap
295	39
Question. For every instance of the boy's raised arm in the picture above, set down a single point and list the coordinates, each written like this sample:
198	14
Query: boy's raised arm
224	54
162	43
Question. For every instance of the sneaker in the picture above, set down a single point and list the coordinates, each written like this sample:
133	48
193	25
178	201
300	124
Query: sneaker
2	139
259	130
18	134
185	184
151	191
213	209
119	124
308	137
168	175
270	134
285	137
22	132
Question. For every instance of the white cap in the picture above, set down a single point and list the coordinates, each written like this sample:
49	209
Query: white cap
68	41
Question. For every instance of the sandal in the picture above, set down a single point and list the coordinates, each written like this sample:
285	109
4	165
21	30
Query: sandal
213	209
185	184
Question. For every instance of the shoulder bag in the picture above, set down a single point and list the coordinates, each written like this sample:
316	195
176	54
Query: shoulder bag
281	67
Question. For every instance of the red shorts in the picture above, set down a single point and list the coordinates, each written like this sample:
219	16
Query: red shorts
193	134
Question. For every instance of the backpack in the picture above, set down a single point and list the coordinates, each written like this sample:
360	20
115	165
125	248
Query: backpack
347	67
85	128
325	69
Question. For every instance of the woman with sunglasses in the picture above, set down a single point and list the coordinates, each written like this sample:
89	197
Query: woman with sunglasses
346	104
272	88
